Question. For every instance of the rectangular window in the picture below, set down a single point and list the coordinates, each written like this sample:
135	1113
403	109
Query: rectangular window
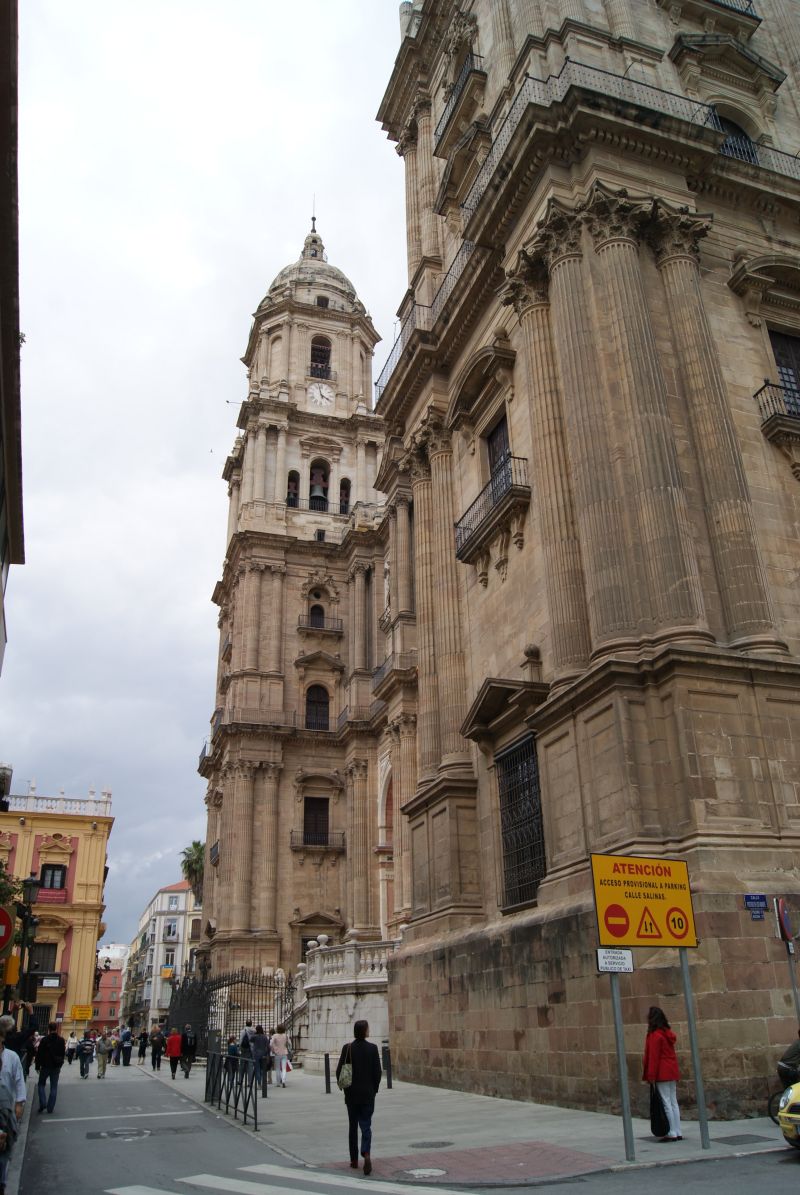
171	929
787	358
95	1012
315	821
43	956
521	826
112	1012
497	445
169	958
194	933
172	903
54	876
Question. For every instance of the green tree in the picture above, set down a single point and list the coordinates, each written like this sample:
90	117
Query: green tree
10	886
193	861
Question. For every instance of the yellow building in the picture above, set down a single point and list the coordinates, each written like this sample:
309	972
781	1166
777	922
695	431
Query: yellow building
63	842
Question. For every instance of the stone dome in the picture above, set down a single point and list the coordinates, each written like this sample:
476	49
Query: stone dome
311	278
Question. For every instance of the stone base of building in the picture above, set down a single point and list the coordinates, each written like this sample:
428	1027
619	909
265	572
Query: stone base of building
521	1012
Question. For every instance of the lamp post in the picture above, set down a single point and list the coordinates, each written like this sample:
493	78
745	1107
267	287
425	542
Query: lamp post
30	894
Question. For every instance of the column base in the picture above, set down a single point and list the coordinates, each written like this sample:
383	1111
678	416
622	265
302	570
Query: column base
765	641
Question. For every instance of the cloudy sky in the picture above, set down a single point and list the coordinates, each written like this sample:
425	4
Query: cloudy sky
170	151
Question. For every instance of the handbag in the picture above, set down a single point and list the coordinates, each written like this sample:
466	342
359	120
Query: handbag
345	1078
659	1125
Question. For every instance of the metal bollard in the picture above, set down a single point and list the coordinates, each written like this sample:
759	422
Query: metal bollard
387	1066
327	1074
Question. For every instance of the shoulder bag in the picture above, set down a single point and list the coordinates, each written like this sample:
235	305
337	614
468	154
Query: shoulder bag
345	1079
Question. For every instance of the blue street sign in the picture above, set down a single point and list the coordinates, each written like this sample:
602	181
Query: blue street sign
754	903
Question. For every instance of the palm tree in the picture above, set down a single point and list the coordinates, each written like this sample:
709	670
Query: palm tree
193	860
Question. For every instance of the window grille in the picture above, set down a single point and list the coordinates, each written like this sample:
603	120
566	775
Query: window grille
521	827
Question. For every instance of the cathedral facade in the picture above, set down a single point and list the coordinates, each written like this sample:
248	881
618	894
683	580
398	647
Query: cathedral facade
551	605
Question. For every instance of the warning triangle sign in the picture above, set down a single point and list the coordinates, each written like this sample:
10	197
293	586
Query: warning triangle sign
647	926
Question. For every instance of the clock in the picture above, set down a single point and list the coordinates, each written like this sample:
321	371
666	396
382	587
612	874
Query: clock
321	394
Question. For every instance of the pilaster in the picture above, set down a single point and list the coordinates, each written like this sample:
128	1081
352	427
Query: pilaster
428	749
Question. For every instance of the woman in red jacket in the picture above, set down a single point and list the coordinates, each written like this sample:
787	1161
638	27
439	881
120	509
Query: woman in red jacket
173	1050
661	1067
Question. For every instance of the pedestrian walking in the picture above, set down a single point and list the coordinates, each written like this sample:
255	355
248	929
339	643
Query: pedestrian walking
362	1057
144	1038
72	1047
245	1037
157	1043
173	1050
12	1102
188	1050
116	1048
85	1054
50	1054
232	1056
279	1049
660	1066
102	1049
126	1044
259	1051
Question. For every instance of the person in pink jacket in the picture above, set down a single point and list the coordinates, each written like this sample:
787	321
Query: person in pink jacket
661	1067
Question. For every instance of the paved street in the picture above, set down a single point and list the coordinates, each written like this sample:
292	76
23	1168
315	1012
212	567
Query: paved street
135	1133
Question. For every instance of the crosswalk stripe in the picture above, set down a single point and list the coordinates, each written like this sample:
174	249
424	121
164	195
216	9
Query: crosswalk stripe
136	1191
240	1185
339	1180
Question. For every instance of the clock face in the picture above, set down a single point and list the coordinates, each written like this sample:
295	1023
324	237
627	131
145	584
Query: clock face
321	394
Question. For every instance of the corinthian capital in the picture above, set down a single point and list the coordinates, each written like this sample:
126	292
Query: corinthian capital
613	215
526	285
675	232
558	234
433	435
416	464
407	139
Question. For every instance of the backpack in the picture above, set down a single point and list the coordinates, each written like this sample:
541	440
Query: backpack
244	1041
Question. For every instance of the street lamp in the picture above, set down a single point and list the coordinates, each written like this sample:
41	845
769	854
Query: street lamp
30	894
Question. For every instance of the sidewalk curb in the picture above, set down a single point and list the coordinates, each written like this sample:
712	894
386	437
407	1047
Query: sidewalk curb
18	1153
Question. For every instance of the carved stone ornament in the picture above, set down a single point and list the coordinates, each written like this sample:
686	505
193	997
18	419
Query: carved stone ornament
482	563
319	579
433	434
613	215
526	285
52	845
462	31
407	140
675	232
417	465
558	234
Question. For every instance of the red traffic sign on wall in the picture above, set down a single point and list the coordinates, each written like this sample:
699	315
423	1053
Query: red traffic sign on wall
8	921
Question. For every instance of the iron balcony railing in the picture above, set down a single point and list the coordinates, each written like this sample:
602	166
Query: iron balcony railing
331	840
472	63
418	317
774	399
317	721
451	278
216	722
320	505
316	370
203	755
309	622
765	156
359	713
746	6
513	471
213	853
398	662
226	647
545	92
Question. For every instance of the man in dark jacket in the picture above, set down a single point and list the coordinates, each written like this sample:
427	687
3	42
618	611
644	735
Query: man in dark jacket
360	1095
188	1049
49	1061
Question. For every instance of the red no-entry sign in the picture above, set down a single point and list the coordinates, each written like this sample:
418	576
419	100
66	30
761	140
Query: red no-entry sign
7	923
616	921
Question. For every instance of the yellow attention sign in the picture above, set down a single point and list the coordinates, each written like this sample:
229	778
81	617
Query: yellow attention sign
82	1012
642	902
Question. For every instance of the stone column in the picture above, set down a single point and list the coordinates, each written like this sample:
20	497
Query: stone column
502	40
305	477
407	149
276	619
405	598
252	615
239	843
397	819
428	742
280	467
286	369
620	20
361	470
357	616
601	526
260	467
248	468
427	180
530	19
449	653
394	597
741	577
527	291
267	852
333	486
358	847
655	487
233	508
238	638
408	780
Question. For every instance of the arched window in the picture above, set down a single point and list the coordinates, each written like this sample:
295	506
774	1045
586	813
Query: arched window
318	489
316	616
293	489
344	497
737	143
320	366
317	703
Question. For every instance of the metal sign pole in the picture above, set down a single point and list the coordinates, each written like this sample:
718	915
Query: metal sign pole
627	1124
702	1115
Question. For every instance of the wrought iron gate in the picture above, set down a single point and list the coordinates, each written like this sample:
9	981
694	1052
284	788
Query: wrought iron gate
224	1003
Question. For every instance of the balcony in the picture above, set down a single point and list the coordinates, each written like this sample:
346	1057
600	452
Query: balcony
318	722
404	661
248	716
739	17
216	721
779	407
317	370
226	647
418	318
331	626
471	72
213	854
507	492
52	980
170	939
360	713
318	505
317	840
203	756
764	156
